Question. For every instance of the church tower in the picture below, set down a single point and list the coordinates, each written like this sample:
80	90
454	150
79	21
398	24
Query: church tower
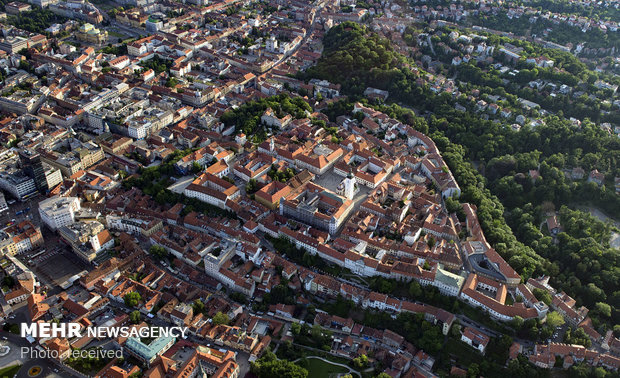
350	186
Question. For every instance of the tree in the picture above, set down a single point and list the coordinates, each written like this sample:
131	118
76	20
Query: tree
554	319
415	289
196	168
132	299
316	332
603	309
251	186
542	295
198	307
599	372
220	318
269	366
455	331
360	362
8	281
579	336
473	371
520	367
431	242
238	297
134	317
158	252
246	118
295	328
517	322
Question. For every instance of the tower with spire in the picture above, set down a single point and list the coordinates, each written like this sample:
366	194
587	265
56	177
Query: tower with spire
348	187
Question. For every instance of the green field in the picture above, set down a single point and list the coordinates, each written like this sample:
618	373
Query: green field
10	371
319	369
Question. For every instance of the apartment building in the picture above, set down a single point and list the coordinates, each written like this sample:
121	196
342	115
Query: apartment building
57	212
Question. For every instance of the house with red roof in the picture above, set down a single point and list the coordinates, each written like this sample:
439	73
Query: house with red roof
475	339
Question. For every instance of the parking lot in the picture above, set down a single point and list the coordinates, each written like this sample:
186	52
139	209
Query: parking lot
58	265
45	256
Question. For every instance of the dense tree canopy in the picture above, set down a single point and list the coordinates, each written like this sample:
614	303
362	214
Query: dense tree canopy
132	299
247	118
269	366
36	20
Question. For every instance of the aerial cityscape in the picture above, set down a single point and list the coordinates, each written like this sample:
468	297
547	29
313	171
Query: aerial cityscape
310	188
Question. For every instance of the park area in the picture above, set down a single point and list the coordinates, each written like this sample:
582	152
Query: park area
10	371
318	368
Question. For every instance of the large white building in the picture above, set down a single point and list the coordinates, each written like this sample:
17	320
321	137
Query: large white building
150	121
57	212
53	176
272	44
448	283
212	189
18	184
317	206
3	206
133	224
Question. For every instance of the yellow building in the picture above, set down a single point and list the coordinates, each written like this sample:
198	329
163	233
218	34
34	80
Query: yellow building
89	33
132	17
19	238
90	155
271	194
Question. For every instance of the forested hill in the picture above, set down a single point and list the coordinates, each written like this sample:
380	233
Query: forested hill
358	59
585	267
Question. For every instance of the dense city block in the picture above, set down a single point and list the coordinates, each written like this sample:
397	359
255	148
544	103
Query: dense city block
297	188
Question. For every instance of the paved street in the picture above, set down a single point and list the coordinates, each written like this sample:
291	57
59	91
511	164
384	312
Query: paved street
48	369
19	206
131	31
20	353
14	355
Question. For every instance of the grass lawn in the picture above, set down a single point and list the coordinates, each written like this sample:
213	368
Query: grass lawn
339	360
9	371
319	369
